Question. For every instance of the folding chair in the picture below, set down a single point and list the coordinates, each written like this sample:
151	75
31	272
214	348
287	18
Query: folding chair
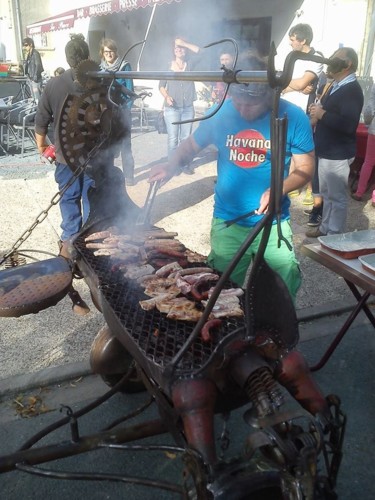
13	118
5	104
27	127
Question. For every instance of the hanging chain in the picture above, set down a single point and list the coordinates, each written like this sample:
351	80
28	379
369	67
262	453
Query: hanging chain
54	201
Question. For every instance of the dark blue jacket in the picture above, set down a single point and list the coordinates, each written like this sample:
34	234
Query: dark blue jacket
335	133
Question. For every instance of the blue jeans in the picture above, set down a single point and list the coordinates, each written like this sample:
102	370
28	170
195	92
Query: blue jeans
177	133
74	204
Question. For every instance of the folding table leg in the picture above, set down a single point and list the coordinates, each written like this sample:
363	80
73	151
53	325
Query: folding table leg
361	305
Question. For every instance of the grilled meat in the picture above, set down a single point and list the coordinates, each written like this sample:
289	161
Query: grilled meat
226	305
210	325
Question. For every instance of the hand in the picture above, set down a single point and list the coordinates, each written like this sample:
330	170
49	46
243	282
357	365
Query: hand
264	202
169	100
316	112
308	89
161	172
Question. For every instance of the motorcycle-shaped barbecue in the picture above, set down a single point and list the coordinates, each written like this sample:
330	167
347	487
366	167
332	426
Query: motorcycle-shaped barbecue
193	369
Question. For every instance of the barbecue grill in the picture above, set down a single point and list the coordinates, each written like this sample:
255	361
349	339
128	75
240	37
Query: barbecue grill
150	333
191	379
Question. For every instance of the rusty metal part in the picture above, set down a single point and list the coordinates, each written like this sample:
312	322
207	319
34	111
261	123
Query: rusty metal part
194	400
33	287
14	260
87	443
79	306
89	125
86	111
294	374
81	74
79	126
108	356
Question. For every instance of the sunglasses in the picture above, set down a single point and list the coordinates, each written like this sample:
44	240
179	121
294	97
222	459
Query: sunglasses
26	45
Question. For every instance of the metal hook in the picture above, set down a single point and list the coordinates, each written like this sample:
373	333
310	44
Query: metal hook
72	422
228	77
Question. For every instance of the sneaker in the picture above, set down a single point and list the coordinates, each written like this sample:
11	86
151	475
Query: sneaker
314	233
308	199
293	194
315	218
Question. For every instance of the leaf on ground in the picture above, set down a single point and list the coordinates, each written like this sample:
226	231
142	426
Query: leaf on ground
29	406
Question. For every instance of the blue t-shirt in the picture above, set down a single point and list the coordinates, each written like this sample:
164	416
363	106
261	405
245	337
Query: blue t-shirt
244	157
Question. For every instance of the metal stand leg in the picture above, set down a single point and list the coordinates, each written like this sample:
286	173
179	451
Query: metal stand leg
361	305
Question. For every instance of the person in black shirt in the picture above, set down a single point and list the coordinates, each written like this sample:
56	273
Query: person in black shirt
336	119
33	66
74	204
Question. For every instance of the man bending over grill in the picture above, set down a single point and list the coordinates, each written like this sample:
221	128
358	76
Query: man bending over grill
74	205
242	134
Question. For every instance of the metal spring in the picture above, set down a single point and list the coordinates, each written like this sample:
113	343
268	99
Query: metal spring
272	388
263	391
14	260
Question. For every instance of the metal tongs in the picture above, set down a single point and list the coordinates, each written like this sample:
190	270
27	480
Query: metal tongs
144	217
229	223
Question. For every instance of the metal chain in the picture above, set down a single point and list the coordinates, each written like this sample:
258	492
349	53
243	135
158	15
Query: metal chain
54	201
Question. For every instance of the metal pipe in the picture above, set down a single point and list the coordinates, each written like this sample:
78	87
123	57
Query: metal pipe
17	24
241	76
65	449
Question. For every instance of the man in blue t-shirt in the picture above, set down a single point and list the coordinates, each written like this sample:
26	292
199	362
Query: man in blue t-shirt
241	132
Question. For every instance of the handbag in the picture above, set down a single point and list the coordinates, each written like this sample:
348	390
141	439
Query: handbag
160	123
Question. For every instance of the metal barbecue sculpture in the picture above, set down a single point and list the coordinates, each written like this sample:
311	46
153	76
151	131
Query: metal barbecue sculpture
192	369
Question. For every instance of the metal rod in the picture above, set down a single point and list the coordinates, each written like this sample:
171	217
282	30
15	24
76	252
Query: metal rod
69	448
240	76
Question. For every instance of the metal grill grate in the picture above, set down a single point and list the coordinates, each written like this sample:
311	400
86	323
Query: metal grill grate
157	337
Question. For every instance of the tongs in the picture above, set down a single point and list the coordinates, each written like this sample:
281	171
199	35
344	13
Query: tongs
229	223
144	217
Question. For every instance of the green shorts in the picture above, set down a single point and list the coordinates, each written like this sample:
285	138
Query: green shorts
225	243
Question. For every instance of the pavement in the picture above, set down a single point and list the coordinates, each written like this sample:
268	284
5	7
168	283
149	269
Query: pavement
49	351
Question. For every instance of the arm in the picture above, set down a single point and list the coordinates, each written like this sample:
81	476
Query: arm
43	117
304	165
164	92
300	84
191	46
183	155
41	143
